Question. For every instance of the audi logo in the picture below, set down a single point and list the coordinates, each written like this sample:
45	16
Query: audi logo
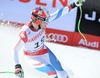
57	37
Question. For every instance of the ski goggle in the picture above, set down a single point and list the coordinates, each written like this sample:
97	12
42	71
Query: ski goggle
37	19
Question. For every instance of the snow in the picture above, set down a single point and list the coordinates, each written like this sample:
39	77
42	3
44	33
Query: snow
79	62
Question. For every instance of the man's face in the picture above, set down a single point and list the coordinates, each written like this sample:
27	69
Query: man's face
40	23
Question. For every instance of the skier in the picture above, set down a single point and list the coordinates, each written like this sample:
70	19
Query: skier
31	37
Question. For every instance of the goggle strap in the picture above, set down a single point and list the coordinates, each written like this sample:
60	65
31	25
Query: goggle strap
38	17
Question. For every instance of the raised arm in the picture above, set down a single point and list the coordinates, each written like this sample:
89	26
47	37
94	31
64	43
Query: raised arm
61	12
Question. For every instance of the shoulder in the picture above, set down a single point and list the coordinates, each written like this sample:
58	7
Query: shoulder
23	33
26	26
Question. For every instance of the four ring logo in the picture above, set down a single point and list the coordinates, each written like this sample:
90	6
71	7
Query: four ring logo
57	37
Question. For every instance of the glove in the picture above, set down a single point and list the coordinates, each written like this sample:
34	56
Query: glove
79	2
19	71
